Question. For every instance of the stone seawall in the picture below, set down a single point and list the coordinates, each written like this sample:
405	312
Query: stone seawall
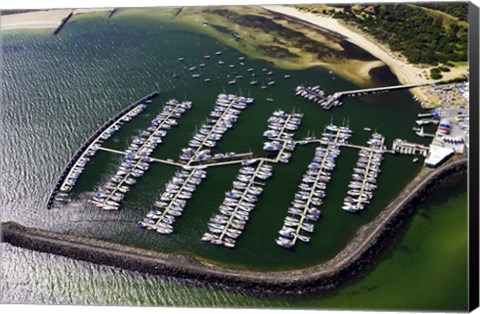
368	241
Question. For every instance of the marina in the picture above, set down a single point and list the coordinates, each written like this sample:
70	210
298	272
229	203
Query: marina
58	90
137	158
77	162
404	147
183	184
312	189
365	174
198	157
239	202
225	113
172	202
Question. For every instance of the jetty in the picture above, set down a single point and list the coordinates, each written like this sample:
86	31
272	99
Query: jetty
137	158
62	23
181	186
112	12
423	134
237	205
312	188
365	175
404	147
103	132
317	95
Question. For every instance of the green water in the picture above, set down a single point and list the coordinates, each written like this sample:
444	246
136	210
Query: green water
425	269
59	89
98	66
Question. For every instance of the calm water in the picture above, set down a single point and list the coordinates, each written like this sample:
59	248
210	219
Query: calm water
32	277
59	90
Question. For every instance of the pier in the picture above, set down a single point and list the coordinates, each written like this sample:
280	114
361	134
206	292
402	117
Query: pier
162	161
62	23
93	139
139	157
174	206
364	176
302	207
404	147
226	111
237	206
328	104
112	12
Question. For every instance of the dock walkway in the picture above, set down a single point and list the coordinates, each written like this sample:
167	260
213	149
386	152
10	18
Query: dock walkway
308	204
140	160
367	170
162	161
238	207
161	224
213	129
93	139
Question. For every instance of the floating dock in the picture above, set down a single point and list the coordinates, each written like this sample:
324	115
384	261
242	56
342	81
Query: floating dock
225	113
137	157
226	227
404	147
365	175
183	184
312	188
172	202
93	139
280	131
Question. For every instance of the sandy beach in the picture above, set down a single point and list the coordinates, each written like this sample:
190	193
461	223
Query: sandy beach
40	19
405	72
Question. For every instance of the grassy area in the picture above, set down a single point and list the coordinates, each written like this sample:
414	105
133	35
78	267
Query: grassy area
423	36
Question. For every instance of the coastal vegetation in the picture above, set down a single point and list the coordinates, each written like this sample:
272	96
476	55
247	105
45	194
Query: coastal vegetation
458	10
419	32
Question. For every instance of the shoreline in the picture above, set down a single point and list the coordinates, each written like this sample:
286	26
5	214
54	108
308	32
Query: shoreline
360	76
405	72
367	242
41	18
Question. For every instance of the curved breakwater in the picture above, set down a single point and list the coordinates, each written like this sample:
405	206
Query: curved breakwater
365	245
73	160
